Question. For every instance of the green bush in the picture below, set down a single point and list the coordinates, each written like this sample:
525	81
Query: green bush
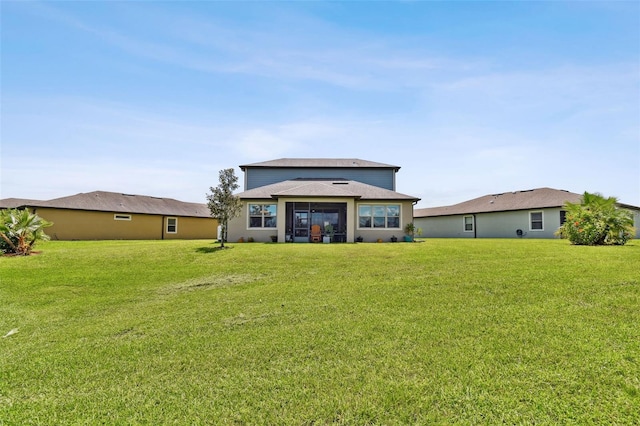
20	231
597	221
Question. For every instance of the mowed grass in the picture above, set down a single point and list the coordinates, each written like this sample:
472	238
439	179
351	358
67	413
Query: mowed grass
441	331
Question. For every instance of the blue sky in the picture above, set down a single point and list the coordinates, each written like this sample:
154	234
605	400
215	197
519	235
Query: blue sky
468	98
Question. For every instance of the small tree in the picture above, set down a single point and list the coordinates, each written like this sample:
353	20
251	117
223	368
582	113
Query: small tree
597	221
21	230
223	205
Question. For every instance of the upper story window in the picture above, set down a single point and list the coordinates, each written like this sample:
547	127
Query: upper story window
536	221
468	223
262	215
379	216
172	225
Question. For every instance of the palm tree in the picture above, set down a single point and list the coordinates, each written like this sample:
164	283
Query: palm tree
20	230
597	221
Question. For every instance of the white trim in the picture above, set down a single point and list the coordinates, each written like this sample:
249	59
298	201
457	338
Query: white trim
531	220
120	216
373	228
464	223
167	225
249	215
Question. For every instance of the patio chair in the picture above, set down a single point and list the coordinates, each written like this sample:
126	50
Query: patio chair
316	234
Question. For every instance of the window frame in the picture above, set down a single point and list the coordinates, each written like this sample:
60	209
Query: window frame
175	231
464	223
541	221
263	217
121	216
388	214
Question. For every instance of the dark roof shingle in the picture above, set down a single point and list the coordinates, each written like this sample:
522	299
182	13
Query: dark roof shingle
123	203
518	200
324	188
320	163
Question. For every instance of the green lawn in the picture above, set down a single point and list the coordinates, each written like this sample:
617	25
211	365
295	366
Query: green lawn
441	331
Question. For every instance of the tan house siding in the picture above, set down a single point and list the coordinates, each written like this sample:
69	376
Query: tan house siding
95	225
193	228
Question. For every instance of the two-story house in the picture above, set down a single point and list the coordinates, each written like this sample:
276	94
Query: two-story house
285	198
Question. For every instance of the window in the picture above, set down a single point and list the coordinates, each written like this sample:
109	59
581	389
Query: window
172	225
262	215
536	221
121	217
563	217
468	223
379	216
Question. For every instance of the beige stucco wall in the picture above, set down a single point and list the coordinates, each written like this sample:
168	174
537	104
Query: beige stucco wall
239	227
92	225
373	234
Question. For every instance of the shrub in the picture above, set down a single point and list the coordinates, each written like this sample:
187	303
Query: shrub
21	230
597	221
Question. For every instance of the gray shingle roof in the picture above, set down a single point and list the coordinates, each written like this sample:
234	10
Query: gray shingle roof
320	162
12	203
123	203
340	188
518	200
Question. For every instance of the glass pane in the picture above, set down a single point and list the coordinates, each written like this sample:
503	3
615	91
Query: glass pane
254	209
364	210
316	219
536	216
269	222
379	211
536	225
270	209
393	210
393	222
365	222
255	222
378	222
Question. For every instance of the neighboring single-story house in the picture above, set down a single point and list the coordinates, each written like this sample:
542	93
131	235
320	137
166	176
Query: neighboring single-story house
535	213
284	198
104	215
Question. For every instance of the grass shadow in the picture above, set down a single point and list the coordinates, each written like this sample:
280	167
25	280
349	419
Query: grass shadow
212	249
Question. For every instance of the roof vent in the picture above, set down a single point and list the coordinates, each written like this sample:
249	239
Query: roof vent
341	183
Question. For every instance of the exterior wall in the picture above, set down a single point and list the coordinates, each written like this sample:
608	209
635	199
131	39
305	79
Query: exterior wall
491	225
373	234
257	177
443	227
636	222
93	225
193	228
505	224
239	227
